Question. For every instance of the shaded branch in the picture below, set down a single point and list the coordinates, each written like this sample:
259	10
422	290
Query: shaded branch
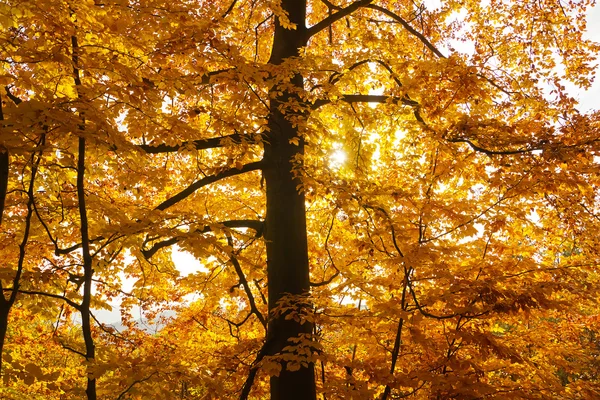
206	181
199	144
368	98
110	331
255	225
4	165
66	347
426	313
407	26
264	350
337	271
51	295
11	96
229	9
123	393
23	245
57	250
493	152
244	283
474	218
4	168
343	12
88	270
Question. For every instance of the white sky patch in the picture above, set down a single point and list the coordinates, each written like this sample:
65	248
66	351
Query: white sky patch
167	105
432	5
588	99
534	217
186	263
121	121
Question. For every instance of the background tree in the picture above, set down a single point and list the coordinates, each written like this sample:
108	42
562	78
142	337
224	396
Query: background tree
377	214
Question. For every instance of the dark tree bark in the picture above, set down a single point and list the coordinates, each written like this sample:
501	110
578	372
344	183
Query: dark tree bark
4	304
285	224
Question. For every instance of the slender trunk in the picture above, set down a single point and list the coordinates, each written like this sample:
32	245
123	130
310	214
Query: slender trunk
4	163
88	273
285	224
4	311
4	305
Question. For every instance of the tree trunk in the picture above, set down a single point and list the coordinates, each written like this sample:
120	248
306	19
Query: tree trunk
285	224
4	311
4	165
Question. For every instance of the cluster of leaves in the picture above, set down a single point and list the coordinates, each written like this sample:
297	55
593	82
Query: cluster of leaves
453	254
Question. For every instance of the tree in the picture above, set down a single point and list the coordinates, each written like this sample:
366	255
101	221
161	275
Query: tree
451	254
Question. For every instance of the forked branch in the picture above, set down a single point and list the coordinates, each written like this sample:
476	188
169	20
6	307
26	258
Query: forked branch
409	28
368	98
171	201
200	144
343	12
244	282
255	225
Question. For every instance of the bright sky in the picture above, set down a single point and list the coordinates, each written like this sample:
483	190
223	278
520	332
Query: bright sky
590	99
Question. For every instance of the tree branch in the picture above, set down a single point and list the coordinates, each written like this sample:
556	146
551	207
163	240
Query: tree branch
256	225
254	369
343	12
337	271
199	144
229	9
206	181
66	347
4	164
244	283
123	393
111	331
51	295
23	245
4	168
407	26
368	98
493	152
11	96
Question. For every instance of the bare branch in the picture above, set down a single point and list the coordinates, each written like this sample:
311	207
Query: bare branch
256	225
67	347
23	245
244	283
331	5
229	9
111	331
4	169
206	181
494	152
407	26
57	250
4	164
254	369
123	393
343	12
11	96
337	271
51	295
368	98
199	144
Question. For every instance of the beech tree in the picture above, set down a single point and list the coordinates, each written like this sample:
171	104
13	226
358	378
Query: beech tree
388	199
